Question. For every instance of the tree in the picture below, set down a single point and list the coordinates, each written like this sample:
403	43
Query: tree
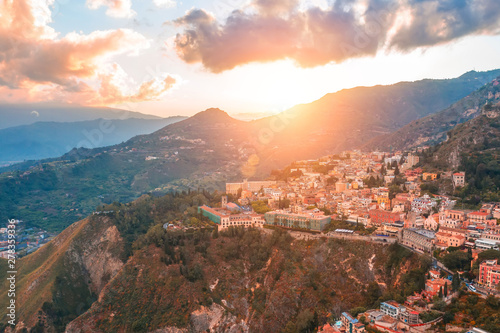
396	170
215	233
382	170
455	283
445	292
440	292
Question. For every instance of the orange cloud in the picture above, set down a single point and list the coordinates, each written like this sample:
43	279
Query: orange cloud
40	66
315	36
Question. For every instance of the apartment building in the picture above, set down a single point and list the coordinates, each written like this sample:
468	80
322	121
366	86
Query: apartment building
489	273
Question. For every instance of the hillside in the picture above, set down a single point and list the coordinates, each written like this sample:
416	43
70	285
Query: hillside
67	273
236	280
203	151
29	113
350	118
211	148
433	128
53	139
473	147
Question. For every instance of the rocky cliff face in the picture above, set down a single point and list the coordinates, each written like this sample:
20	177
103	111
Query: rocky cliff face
67	272
223	288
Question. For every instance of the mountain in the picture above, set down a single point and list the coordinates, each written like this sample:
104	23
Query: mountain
480	135
29	113
53	139
433	128
349	118
211	148
473	147
203	151
65	276
122	271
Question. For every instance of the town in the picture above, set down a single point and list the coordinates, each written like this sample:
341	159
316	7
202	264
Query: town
28	239
378	197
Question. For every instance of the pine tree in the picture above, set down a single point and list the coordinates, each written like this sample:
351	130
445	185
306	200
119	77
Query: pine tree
396	170
445	289
455	283
440	292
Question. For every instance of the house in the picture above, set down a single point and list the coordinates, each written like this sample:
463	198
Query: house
451	218
379	216
478	217
432	222
444	240
489	273
351	324
391	308
458	179
432	287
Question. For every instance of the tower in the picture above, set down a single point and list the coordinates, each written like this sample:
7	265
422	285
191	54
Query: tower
224	201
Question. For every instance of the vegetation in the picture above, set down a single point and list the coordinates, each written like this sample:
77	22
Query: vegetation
471	310
260	207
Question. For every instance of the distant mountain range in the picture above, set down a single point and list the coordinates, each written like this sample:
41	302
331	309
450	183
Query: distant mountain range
433	128
29	113
52	139
211	148
349	118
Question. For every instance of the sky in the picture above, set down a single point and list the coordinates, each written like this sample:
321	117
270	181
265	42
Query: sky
172	57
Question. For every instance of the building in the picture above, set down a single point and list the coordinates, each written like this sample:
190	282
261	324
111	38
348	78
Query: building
451	218
429	176
444	240
400	312
351	324
412	160
391	308
458	179
489	273
420	239
486	244
409	316
252	186
423	204
432	222
380	216
341	186
310	221
478	217
432	287
226	216
402	201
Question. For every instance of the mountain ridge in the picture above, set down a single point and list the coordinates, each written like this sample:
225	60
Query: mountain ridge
50	139
433	129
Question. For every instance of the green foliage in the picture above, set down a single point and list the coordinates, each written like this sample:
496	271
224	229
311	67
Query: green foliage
455	283
71	296
396	254
260	207
429	316
457	260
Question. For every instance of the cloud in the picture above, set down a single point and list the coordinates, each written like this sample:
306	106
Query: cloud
112	83
116	8
435	22
165	3
314	36
275	7
37	65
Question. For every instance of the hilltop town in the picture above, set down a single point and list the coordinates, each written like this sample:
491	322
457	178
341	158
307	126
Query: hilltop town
384	198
